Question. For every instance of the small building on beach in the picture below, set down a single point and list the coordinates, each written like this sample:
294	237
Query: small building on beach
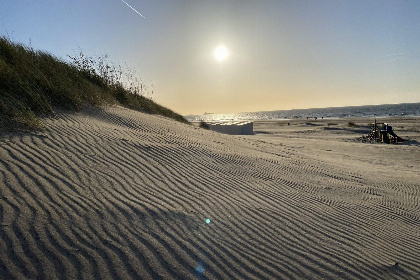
232	127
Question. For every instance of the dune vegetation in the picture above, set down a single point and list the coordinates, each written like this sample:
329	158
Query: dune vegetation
33	83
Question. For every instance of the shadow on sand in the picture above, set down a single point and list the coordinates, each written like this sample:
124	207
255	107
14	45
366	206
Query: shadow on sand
410	143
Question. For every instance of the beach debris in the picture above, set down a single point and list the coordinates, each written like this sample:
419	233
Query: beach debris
383	132
208	221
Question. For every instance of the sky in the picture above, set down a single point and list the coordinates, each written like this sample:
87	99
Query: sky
280	54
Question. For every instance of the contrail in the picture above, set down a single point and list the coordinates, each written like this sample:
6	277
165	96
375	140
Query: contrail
133	9
397	56
394	54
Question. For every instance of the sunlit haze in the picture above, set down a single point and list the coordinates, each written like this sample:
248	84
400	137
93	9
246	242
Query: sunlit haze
275	54
220	53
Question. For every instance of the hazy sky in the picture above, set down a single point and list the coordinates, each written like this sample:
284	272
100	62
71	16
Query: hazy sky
281	54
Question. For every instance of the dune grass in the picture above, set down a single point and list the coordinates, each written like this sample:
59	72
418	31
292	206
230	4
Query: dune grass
352	124
33	83
204	125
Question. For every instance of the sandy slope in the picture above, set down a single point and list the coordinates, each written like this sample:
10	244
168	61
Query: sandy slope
113	193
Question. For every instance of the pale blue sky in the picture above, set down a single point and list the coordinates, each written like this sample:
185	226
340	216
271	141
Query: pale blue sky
282	54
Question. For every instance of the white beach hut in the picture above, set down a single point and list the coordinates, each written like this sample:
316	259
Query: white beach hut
233	127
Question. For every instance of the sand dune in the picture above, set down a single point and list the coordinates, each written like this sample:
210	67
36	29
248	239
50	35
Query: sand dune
116	194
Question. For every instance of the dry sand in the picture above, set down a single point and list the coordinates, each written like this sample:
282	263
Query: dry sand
117	194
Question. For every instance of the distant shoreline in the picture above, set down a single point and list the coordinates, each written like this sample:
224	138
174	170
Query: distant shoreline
368	111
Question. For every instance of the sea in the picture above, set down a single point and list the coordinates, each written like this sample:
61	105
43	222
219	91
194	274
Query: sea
368	111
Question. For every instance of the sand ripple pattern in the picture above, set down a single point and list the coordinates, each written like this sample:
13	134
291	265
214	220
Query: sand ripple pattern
116	194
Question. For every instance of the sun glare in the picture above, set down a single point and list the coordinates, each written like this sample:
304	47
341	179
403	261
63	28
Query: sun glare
220	53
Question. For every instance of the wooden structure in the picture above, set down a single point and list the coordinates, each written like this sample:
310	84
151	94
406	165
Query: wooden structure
383	132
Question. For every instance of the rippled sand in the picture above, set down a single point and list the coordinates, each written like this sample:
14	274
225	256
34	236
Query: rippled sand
116	194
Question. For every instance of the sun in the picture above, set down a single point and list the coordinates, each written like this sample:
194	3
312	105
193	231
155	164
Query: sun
220	53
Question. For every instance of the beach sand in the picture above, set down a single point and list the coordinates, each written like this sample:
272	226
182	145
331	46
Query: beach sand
117	194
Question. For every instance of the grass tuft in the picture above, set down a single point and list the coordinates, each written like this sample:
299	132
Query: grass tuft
352	124
204	125
32	83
